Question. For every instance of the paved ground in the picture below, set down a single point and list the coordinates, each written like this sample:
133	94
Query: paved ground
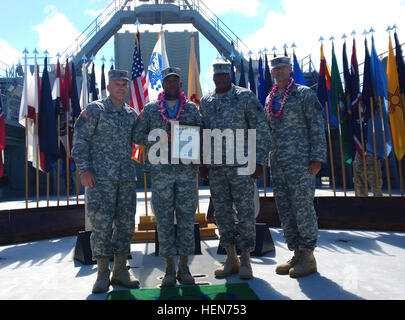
352	265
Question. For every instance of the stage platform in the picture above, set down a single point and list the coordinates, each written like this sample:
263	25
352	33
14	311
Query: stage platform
352	264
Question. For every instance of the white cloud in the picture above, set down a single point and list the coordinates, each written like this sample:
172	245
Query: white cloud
248	8
8	55
56	33
92	12
303	22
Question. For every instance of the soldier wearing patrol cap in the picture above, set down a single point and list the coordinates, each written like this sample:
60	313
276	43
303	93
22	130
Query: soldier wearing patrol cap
102	148
230	107
173	184
298	146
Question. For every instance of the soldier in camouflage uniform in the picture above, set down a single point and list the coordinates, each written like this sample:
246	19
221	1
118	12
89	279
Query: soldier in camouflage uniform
173	185
297	148
230	107
102	152
372	181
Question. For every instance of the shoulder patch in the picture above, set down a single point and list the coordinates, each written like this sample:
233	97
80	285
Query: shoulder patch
85	114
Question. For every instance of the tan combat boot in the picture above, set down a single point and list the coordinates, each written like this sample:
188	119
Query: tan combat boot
231	264
245	270
121	275
169	280
103	276
284	268
183	273
306	265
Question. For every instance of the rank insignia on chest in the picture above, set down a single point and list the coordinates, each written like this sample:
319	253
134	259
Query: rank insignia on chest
85	114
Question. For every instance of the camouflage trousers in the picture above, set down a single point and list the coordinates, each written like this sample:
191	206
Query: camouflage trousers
174	193
111	207
372	181
228	189
294	191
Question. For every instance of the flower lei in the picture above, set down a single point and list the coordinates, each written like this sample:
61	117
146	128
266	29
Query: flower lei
275	114
163	111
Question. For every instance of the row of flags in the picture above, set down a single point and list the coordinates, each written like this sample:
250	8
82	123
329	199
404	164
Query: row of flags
49	112
264	78
380	102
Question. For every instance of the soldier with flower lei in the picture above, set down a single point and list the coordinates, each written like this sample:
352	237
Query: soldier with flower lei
173	185
298	147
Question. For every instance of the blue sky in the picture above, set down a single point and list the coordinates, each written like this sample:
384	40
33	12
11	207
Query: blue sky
54	24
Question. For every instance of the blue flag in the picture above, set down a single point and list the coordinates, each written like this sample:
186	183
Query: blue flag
242	80
47	128
367	93
261	92
348	113
233	72
297	73
93	93
267	77
75	95
400	64
379	83
252	82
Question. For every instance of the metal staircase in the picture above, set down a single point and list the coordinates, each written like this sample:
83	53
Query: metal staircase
120	12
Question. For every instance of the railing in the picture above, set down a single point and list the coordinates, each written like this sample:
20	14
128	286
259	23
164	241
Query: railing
130	5
101	20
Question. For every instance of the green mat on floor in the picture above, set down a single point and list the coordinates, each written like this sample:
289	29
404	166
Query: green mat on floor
234	291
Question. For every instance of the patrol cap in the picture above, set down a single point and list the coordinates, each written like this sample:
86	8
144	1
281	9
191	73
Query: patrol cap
170	71
280	62
222	67
118	75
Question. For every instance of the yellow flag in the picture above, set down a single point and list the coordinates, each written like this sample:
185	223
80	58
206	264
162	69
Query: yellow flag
395	105
194	87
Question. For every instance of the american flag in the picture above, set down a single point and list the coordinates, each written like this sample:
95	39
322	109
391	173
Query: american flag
139	91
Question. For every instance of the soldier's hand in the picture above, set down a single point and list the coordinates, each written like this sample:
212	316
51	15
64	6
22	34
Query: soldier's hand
258	172
87	179
204	173
314	167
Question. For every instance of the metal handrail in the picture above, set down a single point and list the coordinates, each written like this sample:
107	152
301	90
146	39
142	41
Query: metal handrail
120	5
101	20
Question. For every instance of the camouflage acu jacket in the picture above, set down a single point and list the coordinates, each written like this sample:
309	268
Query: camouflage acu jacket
237	109
102	141
298	136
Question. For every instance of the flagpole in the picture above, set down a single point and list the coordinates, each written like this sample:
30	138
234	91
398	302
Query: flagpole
198	196
363	155
37	156
264	181
332	166
385	148
67	158
36	128
26	160
58	173
26	124
401	183
47	189
342	160
378	187
67	144
142	151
